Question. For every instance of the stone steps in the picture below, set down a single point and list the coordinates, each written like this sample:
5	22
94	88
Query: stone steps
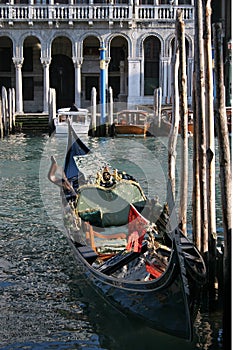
32	123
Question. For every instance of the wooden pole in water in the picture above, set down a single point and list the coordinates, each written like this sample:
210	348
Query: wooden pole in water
225	178
180	29
200	115
1	120
13	109
110	113
196	206
210	145
172	141
5	111
10	109
93	112
156	108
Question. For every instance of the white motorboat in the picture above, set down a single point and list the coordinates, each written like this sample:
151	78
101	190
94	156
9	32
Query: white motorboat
79	119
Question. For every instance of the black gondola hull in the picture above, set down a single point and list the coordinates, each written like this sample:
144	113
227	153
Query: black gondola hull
161	304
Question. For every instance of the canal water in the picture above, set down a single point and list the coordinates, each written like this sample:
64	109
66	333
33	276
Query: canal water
45	302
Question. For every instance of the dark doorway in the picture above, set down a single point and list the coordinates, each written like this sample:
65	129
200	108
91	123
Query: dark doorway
114	82
62	80
151	64
91	82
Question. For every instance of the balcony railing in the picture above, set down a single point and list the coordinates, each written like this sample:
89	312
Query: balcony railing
80	13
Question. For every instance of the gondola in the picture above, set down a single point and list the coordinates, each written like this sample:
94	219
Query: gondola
138	265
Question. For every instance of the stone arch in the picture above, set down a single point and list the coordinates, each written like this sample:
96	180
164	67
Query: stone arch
91	65
32	75
122	35
141	40
190	42
169	44
151	48
85	36
118	66
62	71
62	45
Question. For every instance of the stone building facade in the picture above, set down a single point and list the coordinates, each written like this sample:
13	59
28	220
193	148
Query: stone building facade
45	44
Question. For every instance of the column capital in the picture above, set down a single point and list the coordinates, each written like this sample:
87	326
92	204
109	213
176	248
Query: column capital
18	61
77	61
45	61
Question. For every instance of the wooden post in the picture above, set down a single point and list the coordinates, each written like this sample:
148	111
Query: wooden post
225	178
196	219
172	141
183	123
93	112
52	110
110	113
10	110
5	111
157	116
210	145
1	120
200	110
13	109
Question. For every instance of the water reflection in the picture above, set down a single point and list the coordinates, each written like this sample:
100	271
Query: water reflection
208	336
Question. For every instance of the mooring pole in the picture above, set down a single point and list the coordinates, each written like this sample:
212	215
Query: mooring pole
225	177
199	63
102	91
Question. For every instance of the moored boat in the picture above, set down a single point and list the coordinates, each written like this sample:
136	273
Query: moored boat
121	242
167	116
131	123
78	117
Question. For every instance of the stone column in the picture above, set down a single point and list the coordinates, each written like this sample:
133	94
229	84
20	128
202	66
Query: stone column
134	81
45	61
18	62
77	88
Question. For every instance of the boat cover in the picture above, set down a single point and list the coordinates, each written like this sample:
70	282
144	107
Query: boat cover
104	207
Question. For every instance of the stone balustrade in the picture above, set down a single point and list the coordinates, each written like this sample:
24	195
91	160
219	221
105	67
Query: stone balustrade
93	12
